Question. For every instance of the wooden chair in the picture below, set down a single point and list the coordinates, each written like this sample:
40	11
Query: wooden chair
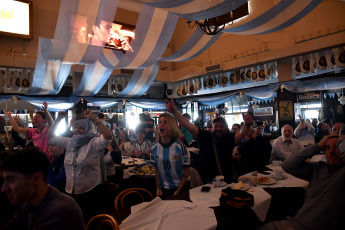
137	191
102	222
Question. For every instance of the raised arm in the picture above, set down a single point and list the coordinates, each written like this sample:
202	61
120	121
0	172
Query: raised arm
296	164
171	107
102	128
31	114
14	124
248	121
52	129
49	117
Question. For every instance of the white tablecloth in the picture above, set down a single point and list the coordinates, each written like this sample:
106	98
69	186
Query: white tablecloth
171	214
262	199
290	180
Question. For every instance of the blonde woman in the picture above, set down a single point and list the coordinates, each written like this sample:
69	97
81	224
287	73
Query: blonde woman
171	158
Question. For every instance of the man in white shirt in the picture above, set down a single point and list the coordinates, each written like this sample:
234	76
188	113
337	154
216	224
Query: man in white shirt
285	145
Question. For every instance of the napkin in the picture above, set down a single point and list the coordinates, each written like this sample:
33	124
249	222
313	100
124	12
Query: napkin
251	180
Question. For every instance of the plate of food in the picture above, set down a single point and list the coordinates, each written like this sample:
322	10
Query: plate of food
240	186
264	180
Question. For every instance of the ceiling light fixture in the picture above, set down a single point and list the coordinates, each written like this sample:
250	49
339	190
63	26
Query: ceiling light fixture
212	26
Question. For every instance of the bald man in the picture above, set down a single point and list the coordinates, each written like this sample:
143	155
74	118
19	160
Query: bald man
285	145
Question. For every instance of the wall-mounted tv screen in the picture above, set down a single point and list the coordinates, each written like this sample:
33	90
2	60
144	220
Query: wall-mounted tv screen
113	35
120	37
16	18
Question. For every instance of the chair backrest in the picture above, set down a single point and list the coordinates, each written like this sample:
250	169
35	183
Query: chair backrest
102	222
195	179
119	201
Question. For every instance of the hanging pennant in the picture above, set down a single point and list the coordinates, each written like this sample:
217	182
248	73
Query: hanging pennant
198	83
184	89
330	59
296	66
224	79
215	80
248	74
8	75
321	61
340	57
15	81
269	71
275	69
312	60
262	74
179	89
254	74
210	82
191	87
243	75
2	78
237	77
111	86
205	79
26	79
232	77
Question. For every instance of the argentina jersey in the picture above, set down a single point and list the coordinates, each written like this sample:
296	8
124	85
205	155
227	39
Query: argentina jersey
169	161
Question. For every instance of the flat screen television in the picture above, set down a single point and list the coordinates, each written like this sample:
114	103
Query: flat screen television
120	37
112	35
16	18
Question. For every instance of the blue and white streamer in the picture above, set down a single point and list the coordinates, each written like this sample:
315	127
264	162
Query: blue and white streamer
196	45
280	16
194	10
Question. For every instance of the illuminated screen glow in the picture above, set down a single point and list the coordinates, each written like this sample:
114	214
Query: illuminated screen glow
102	33
14	17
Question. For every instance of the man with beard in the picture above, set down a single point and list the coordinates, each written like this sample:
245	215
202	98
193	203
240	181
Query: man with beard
224	143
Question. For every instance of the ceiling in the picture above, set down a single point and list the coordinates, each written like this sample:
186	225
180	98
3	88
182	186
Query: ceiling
321	29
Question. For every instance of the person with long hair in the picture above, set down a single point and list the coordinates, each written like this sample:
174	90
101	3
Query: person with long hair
125	144
171	159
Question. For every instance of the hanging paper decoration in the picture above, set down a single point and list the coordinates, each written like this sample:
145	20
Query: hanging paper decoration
179	89
254	74
248	74
215	80
330	59
275	69
269	71
243	75
191	87
262	73
184	89
296	66
7	80
224	79
305	64
205	79
210	82
340	57
312	63
232	77
321	61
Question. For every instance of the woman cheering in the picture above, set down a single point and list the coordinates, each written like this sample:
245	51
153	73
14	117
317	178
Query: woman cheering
171	159
84	162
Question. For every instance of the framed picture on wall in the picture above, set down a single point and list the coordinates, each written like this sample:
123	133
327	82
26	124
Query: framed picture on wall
285	110
264	111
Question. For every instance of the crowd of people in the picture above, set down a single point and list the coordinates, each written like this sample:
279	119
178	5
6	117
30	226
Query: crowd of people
60	180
